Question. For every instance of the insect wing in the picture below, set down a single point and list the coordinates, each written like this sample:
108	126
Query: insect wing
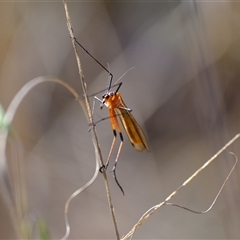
133	130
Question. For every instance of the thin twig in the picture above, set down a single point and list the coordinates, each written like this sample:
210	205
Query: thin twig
73	195
153	209
90	119
215	199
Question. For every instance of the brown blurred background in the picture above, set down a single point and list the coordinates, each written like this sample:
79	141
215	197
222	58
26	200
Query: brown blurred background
184	92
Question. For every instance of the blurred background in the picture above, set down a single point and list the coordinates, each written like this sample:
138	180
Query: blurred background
183	90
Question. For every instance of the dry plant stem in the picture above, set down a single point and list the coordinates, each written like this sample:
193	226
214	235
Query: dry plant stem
94	134
15	196
215	199
153	209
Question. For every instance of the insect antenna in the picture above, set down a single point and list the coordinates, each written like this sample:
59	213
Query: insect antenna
123	75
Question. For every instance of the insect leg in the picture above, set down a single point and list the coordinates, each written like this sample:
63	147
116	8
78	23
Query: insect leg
119	85
115	165
102	103
111	76
118	153
110	152
112	118
93	107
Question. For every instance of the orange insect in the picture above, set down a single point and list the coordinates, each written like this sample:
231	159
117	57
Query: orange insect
117	108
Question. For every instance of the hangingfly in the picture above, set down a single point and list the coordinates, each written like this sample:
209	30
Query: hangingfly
117	108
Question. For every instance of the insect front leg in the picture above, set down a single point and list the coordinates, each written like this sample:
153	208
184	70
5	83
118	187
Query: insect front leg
102	103
93	107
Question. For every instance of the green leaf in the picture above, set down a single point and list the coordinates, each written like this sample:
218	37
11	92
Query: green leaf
3	125
43	229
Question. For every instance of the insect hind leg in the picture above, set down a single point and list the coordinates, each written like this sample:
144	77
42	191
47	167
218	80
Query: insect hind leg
105	166
115	164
